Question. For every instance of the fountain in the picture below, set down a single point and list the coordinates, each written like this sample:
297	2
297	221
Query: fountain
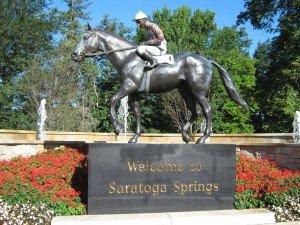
40	134
296	126
123	114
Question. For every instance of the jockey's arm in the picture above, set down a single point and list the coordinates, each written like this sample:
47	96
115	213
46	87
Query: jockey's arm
158	34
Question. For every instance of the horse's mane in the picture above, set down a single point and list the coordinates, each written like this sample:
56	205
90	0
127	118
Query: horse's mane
117	37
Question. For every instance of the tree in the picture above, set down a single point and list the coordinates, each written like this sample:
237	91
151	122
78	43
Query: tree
14	112
186	30
229	48
262	66
281	95
65	86
178	111
26	29
68	87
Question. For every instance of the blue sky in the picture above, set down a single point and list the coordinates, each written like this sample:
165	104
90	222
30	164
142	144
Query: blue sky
226	12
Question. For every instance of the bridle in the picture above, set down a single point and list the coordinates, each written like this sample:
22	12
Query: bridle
108	52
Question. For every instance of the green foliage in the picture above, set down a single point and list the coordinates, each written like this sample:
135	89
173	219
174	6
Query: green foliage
25	30
277	62
13	111
186	30
155	118
69	19
26	192
115	26
107	86
68	87
245	200
64	209
228	48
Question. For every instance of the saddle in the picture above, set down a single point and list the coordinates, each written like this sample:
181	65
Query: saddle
167	58
162	59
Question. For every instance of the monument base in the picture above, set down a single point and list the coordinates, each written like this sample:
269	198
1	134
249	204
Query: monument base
154	178
224	217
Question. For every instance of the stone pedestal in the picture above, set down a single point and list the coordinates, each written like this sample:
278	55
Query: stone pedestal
224	217
143	178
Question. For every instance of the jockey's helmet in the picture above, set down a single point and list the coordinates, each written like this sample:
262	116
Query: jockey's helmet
140	15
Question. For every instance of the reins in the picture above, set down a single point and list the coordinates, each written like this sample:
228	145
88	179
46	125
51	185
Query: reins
108	52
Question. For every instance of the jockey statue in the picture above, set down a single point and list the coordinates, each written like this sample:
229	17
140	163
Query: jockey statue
156	44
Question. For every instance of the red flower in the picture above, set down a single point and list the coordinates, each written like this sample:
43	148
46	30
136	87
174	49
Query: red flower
49	174
240	188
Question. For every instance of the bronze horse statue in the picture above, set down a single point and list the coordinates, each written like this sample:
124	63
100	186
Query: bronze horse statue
191	74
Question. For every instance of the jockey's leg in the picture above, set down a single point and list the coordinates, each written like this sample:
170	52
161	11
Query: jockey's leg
146	53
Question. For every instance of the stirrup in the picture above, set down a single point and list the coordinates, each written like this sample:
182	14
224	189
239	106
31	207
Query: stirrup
151	64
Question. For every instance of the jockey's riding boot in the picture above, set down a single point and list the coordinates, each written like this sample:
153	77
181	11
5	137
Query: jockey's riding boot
151	62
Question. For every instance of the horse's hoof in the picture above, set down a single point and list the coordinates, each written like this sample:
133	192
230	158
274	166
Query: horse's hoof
133	140
118	129
201	140
186	137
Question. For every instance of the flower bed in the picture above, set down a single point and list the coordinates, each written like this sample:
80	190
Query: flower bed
56	181
18	214
261	184
57	178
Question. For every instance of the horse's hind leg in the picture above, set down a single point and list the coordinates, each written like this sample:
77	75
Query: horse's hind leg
135	104
191	104
206	109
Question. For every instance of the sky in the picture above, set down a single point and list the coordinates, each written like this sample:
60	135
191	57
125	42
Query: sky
226	12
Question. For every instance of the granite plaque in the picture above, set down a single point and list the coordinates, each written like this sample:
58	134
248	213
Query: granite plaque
142	178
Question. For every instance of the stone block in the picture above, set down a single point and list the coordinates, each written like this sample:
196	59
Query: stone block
271	157
224	217
9	151
295	156
281	160
140	178
297	161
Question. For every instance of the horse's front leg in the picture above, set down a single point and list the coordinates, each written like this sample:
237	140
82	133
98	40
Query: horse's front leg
127	87
136	107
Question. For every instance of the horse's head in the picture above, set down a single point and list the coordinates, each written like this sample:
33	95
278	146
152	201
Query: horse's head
88	44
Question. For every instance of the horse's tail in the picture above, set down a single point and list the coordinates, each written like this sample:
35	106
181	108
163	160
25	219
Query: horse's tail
229	86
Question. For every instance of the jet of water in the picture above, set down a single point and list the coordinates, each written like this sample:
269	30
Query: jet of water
296	126
40	134
123	114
